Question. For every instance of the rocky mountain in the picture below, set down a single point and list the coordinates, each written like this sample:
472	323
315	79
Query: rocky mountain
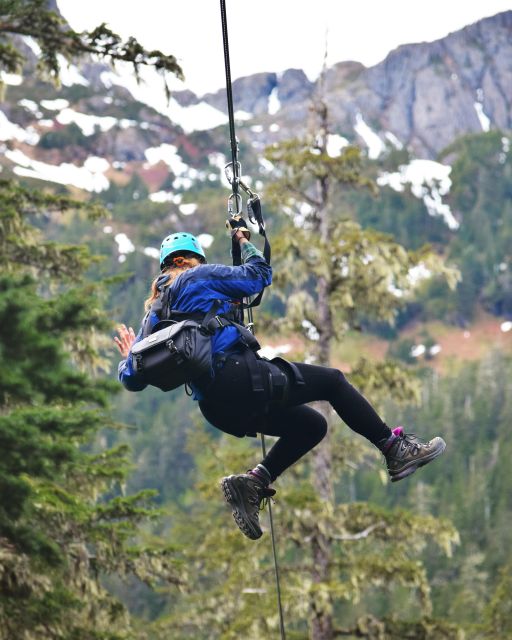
421	97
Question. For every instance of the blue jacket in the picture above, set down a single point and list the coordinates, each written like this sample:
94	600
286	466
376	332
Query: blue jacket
196	289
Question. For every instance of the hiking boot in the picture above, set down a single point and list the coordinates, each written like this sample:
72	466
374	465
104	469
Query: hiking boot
245	493
405	453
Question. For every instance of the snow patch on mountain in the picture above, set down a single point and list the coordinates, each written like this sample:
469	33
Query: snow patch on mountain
11	131
394	140
152	252
485	121
197	117
124	244
505	148
375	145
31	106
188	208
89	124
266	165
69	73
335	144
167	153
32	45
270	352
13	79
429	181
243	115
88	177
218	160
166	196
274	104
506	326
55	105
205	240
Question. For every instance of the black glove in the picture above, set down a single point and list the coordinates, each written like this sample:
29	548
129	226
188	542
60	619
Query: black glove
236	224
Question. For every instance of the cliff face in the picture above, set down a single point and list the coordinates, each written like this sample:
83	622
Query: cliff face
428	94
424	94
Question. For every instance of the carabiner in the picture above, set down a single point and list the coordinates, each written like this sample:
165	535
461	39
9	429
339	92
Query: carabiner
247	190
238	200
233	175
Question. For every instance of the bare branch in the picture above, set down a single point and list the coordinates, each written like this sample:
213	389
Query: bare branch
361	534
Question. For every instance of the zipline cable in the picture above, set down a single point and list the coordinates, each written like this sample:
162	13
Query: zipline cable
235	182
231	116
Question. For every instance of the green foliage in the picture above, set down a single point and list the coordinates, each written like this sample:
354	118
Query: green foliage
333	275
56	533
471	408
498	614
32	18
363	271
482	187
232	593
70	135
64	518
22	245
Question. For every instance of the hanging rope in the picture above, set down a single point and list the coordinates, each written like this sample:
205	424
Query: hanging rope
274	553
254	211
229	93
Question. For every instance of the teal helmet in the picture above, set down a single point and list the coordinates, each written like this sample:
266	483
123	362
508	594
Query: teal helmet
179	243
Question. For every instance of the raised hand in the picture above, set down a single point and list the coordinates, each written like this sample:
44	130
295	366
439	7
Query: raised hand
125	340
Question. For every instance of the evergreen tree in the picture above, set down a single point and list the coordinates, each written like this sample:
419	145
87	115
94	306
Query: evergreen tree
342	273
64	519
57	534
332	547
34	18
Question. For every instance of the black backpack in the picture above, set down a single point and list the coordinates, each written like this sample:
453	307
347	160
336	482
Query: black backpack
178	350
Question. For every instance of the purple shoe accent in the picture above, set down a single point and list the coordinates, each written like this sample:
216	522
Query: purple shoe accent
257	473
387	444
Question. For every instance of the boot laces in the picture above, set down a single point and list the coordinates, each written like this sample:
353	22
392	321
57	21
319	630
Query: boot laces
261	497
409	441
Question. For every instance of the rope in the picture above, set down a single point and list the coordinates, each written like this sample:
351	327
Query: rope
274	552
234	185
229	94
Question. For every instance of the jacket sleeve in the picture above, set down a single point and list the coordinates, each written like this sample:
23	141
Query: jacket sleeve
244	280
128	377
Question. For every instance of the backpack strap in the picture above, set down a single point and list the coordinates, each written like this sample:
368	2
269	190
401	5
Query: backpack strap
210	321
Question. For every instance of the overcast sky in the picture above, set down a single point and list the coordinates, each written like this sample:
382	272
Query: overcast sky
274	35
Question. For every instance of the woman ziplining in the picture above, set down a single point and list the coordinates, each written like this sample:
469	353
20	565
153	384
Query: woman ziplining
243	394
193	333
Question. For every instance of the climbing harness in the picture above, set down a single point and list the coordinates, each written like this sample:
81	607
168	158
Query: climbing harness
177	349
233	172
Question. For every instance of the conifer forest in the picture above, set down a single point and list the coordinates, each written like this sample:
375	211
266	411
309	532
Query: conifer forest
387	196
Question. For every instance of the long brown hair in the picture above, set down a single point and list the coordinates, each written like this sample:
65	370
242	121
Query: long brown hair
178	265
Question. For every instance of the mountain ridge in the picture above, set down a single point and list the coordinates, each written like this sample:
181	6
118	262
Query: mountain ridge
422	96
417	88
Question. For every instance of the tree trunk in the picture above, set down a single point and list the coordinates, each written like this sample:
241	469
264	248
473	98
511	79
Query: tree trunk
322	622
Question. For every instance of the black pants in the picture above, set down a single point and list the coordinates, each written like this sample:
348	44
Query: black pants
231	405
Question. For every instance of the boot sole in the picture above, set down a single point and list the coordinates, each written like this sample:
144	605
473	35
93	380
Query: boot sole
415	465
235	501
